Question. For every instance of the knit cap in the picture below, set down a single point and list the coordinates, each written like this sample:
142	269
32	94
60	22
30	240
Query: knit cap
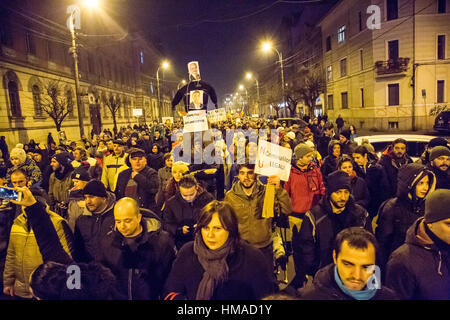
291	135
437	142
19	154
338	180
81	173
437	206
436	152
63	158
346	133
95	188
301	150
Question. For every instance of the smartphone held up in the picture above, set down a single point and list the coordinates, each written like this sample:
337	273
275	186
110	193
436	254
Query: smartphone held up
10	194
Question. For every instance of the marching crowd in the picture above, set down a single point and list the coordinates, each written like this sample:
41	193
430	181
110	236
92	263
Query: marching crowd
141	224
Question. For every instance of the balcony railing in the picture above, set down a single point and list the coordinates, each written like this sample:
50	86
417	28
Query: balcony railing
392	66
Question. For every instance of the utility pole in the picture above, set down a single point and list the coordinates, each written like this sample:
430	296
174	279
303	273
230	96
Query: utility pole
413	79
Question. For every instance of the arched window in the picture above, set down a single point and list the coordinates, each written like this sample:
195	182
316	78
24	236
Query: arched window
14	99
37	101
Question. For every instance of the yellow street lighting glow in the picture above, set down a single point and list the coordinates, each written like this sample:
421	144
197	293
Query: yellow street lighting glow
165	64
92	4
266	46
248	75
241	87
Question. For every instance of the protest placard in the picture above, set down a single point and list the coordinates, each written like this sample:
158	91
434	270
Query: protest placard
195	121
273	160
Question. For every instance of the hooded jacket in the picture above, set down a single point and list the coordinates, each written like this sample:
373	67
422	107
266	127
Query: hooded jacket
31	169
141	267
60	182
148	184
90	229
23	254
252	227
418	269
391	165
178	213
305	188
396	215
313	244
324	287
330	162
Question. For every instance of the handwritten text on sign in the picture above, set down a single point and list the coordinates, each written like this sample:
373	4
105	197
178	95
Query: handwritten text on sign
195	121
271	160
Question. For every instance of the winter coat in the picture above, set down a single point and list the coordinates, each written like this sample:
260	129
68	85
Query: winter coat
58	190
377	184
360	191
330	162
390	166
162	143
178	213
23	252
324	287
155	161
313	243
142	269
322	145
305	188
164	175
418	269
348	147
148	184
252	227
396	215
248	277
31	169
76	207
90	228
94	170
112	166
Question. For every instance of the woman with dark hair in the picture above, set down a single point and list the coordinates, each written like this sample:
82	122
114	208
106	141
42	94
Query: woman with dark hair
155	159
217	265
360	192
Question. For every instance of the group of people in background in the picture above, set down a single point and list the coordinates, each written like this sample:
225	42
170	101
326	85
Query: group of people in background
140	224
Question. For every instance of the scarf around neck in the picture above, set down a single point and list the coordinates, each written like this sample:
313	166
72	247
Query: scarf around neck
215	265
365	294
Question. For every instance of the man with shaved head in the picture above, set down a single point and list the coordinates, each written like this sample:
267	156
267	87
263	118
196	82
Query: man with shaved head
138	251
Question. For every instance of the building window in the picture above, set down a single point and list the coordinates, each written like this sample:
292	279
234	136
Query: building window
344	100
50	55
328	43
441	47
362	97
440	91
360	22
14	99
37	100
391	9
330	102
361	59
341	34
329	73
393	50
31	47
442	6
343	67
394	94
5	33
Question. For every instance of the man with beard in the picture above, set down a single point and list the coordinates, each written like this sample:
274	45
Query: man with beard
247	197
313	244
60	183
439	163
391	160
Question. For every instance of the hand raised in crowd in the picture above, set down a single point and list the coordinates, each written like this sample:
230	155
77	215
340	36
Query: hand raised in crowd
27	197
275	180
9	291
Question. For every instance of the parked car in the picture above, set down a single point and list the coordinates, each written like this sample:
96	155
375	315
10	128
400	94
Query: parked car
442	122
416	143
291	121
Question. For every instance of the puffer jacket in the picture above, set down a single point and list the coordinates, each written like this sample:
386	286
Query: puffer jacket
179	213
31	169
90	229
112	166
23	254
396	215
305	188
252	227
141	269
419	270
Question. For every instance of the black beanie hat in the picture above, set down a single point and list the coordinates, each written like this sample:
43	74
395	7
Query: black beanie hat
437	142
95	188
338	180
346	133
436	206
81	173
63	159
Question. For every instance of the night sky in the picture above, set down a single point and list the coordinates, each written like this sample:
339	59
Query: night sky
225	50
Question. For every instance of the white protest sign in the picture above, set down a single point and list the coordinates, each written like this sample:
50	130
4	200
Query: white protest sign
273	160
137	112
195	121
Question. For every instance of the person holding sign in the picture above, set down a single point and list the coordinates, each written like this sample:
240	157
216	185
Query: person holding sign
247	198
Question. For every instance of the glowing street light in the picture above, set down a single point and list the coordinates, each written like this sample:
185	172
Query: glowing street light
92	4
266	47
181	83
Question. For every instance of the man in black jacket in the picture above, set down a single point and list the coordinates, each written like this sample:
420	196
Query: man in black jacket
394	158
91	228
335	212
439	164
353	275
138	252
182	210
420	268
139	182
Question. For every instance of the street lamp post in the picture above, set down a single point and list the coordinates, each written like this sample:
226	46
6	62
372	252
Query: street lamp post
249	76
268	46
241	87
164	65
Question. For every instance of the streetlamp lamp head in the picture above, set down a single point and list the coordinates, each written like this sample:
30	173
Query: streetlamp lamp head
266	46
241	87
165	64
249	75
91	4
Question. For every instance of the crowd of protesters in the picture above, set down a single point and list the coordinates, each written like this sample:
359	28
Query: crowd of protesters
140	223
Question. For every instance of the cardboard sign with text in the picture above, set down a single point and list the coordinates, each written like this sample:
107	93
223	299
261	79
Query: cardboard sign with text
195	121
273	160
